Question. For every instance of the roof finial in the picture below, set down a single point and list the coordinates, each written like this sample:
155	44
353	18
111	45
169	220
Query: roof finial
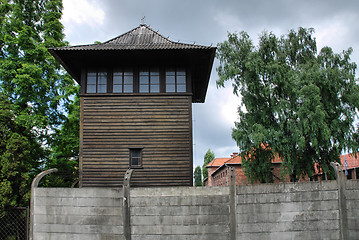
143	20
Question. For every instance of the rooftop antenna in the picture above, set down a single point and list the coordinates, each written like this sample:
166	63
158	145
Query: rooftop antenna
143	20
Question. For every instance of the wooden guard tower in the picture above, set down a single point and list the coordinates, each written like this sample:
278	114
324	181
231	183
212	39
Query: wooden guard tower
137	92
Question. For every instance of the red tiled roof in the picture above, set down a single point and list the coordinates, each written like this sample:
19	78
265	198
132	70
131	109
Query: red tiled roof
217	162
235	160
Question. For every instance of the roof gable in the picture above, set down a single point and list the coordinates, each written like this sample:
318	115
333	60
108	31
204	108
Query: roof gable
140	35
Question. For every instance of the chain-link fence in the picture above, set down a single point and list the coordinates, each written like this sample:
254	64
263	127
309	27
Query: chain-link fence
15	224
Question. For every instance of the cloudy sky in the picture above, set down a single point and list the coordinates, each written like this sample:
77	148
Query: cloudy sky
206	22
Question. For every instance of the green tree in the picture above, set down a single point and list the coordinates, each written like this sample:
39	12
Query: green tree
208	157
39	91
296	103
65	148
197	175
19	155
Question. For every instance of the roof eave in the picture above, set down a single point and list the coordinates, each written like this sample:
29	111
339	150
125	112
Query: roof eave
67	68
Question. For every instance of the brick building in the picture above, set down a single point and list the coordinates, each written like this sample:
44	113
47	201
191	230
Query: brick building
352	169
218	170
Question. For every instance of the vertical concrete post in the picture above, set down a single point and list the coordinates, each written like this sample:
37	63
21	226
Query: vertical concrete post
343	217
232	204
126	205
34	185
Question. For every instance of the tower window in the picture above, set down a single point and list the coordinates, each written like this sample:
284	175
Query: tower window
135	157
96	82
176	80
123	81
137	80
149	81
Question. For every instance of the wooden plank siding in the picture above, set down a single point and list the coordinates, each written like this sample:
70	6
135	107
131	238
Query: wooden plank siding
161	125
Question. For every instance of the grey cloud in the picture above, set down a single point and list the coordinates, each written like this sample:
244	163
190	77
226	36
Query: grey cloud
207	22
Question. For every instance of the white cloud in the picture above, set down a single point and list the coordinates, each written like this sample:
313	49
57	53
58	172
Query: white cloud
81	12
228	105
338	34
331	33
335	22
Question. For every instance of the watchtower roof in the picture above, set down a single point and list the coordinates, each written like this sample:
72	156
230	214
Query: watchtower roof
140	38
141	44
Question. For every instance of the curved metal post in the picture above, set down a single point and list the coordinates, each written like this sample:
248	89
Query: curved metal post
75	183
39	176
232	203
343	220
126	205
35	184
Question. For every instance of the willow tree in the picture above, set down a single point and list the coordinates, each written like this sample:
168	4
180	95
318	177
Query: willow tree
296	103
37	88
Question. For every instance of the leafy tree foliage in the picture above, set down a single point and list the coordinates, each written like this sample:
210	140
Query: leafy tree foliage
296	103
208	157
65	148
42	112
19	154
197	175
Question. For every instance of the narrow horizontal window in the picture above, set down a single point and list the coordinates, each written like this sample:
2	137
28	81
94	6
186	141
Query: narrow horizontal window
143	80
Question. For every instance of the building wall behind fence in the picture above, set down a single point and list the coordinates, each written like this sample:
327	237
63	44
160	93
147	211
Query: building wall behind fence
270	211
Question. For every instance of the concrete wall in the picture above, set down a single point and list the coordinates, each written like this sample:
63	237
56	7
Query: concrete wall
352	203
77	213
180	213
288	211
96	213
269	211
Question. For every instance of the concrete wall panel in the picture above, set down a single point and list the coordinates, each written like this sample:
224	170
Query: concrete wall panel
266	211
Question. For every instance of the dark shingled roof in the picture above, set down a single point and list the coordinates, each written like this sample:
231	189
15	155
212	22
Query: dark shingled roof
140	38
141	45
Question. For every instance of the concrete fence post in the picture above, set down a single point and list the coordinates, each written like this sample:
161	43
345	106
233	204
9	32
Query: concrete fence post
232	204
35	184
126	205
343	217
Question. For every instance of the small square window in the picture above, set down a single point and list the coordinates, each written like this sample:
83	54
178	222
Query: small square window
135	157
